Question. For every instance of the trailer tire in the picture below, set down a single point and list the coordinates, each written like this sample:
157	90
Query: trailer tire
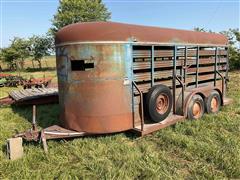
159	102
195	108
213	102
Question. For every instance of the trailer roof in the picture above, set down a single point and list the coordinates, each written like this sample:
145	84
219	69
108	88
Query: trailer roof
120	32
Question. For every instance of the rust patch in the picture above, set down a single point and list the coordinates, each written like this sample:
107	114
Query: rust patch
95	100
111	31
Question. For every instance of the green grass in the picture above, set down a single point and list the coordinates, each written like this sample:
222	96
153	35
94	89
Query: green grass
205	149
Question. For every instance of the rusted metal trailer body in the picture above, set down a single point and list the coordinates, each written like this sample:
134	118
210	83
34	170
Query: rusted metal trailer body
114	77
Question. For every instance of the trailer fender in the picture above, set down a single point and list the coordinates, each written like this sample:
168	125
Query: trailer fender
188	99
221	95
203	94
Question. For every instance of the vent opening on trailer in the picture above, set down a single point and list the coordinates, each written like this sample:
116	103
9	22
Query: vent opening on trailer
81	65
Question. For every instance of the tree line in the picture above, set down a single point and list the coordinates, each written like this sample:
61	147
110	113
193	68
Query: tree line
35	48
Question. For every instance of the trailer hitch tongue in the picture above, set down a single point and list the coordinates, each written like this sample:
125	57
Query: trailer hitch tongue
29	135
33	134
52	132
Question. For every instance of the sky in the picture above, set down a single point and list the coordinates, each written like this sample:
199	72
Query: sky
24	18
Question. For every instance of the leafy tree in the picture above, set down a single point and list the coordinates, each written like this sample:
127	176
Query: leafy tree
9	56
72	11
233	36
234	47
21	46
16	53
40	46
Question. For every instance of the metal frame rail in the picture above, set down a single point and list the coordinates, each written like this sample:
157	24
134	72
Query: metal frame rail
197	66
152	66
226	74
141	101
215	66
183	85
227	49
185	65
174	79
223	82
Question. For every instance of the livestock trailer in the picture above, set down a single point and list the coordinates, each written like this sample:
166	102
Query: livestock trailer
114	77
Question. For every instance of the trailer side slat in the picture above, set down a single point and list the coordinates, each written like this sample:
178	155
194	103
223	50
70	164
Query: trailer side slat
145	76
169	63
144	87
169	53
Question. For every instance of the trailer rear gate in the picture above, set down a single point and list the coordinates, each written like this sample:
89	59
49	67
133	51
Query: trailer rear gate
192	67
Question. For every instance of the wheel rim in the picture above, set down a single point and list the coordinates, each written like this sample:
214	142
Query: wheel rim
214	104
162	103
197	110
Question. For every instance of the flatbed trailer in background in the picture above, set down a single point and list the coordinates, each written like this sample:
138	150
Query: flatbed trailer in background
33	96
